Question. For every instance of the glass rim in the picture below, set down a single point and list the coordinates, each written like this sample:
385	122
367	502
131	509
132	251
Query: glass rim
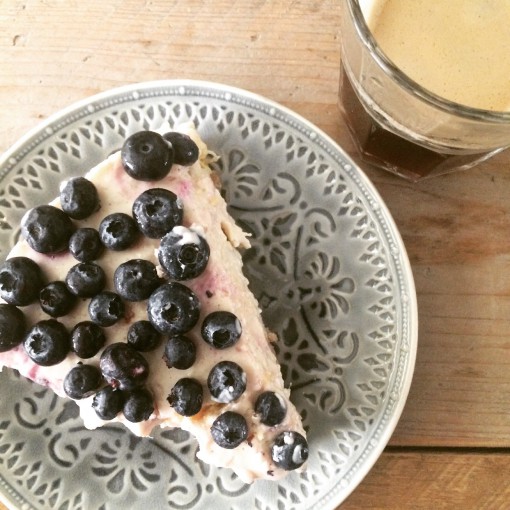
412	86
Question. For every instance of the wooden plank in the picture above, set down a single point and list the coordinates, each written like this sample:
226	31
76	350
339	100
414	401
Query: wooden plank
425	479
453	230
80	49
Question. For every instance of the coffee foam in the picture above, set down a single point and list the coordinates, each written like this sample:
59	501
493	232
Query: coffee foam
459	50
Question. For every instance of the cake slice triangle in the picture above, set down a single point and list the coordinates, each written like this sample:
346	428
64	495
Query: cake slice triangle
126	294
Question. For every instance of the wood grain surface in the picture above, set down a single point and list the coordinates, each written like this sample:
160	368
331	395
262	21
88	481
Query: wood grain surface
451	448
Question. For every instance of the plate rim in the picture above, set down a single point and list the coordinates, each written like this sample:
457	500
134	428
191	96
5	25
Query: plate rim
43	129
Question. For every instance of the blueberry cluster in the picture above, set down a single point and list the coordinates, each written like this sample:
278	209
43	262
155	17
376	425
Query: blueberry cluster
118	384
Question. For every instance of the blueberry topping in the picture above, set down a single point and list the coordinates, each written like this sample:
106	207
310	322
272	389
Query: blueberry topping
21	280
173	308
226	382
186	397
185	149
82	381
85	279
85	244
12	326
47	229
136	279
123	367
139	405
56	299
142	336
47	342
118	231
229	430
221	329
146	156
289	450
106	308
156	211
78	198
183	253
180	352
87	338
108	403
271	408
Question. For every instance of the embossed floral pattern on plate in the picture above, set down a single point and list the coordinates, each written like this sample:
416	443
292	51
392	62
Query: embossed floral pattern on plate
327	265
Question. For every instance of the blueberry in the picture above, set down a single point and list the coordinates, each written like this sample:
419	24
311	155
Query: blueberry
47	342
85	279
21	279
185	149
221	329
85	244
173	308
118	231
82	381
123	366
78	198
156	211
183	253
180	352
186	397
87	338
146	156
289	450
142	336
56	299
271	408
226	382
139	405
47	229
229	430
12	326
136	279
108	402
106	308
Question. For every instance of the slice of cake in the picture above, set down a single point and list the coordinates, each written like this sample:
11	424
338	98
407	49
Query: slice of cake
126	294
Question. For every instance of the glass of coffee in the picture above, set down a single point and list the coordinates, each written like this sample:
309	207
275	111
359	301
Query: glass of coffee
425	84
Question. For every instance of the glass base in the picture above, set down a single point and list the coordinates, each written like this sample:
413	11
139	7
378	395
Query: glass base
386	150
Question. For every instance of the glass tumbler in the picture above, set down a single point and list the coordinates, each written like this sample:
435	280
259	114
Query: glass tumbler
398	125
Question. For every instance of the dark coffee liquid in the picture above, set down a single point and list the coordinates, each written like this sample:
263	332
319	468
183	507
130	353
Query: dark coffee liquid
392	152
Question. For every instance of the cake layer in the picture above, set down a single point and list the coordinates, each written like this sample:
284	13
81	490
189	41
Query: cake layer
221	287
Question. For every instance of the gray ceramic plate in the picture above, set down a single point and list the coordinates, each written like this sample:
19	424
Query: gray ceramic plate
327	265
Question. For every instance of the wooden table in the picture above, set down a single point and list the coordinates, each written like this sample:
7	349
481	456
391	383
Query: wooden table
451	448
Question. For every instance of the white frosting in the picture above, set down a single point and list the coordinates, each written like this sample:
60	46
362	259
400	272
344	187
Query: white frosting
288	438
188	235
225	396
